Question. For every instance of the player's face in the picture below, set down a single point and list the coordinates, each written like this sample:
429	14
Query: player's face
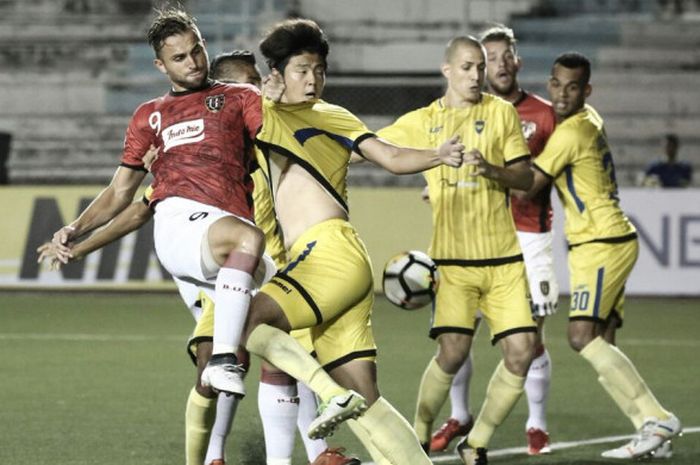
184	60
502	66
304	78
567	91
465	72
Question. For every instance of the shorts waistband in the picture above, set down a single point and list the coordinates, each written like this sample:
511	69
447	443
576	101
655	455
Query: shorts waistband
313	232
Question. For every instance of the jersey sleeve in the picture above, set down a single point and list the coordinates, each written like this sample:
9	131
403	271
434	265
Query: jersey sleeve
347	129
406	131
252	111
147	195
558	153
515	146
139	137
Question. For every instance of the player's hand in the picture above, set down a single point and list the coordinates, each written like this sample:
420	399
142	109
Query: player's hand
62	240
476	159
425	194
48	251
451	152
273	86
150	157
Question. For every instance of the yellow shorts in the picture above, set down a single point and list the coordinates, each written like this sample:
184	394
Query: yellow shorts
204	330
598	272
328	287
500	292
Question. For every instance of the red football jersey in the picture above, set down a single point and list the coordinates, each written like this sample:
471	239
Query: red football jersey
205	139
538	120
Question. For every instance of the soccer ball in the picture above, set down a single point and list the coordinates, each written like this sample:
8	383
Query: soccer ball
410	280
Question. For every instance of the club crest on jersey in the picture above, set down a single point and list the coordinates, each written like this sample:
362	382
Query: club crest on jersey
479	125
214	103
529	128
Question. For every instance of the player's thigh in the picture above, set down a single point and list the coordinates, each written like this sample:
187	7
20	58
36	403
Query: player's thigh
598	273
360	376
347	337
504	305
457	301
179	230
329	272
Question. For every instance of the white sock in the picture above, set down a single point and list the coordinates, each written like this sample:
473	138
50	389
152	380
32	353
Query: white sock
225	410
233	288
459	392
278	406
308	405
537	391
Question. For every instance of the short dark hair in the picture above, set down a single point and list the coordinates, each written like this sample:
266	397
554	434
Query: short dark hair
672	138
575	60
461	40
290	38
497	33
222	60
169	22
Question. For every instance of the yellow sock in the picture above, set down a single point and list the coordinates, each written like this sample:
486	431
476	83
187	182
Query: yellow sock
610	363
626	405
283	351
366	439
433	391
502	394
391	435
199	418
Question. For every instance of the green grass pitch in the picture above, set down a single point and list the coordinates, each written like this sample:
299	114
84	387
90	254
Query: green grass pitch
102	379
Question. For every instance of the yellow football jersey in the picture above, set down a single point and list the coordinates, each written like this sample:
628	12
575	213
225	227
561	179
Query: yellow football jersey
578	158
317	136
472	221
266	219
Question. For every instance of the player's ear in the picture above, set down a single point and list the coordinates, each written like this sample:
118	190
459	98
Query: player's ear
160	66
587	90
518	63
445	69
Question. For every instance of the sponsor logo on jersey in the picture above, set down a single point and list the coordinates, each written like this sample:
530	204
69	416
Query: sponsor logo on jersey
435	130
479	125
529	129
214	103
187	132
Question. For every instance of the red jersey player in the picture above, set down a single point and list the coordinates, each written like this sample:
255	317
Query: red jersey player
533	221
203	228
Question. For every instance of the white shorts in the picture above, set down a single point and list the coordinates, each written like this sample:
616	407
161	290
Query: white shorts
190	295
180	237
539	265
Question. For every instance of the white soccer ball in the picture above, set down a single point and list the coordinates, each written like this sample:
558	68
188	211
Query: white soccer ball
410	280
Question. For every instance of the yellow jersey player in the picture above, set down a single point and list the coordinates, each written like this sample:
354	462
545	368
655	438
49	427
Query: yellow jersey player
327	284
533	224
603	248
474	242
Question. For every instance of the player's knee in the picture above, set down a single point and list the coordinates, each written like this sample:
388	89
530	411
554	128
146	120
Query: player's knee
452	355
252	241
578	340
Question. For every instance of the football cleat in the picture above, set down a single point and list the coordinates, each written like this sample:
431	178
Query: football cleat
537	442
222	374
650	437
470	455
336	411
335	456
447	432
665	451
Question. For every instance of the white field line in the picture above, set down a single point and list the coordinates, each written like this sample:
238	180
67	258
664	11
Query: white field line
555	446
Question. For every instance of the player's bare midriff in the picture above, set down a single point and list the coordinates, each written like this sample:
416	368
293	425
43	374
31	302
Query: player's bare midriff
301	202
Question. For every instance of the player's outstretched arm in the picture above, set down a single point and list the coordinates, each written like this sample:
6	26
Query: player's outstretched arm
108	203
514	176
130	219
404	160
